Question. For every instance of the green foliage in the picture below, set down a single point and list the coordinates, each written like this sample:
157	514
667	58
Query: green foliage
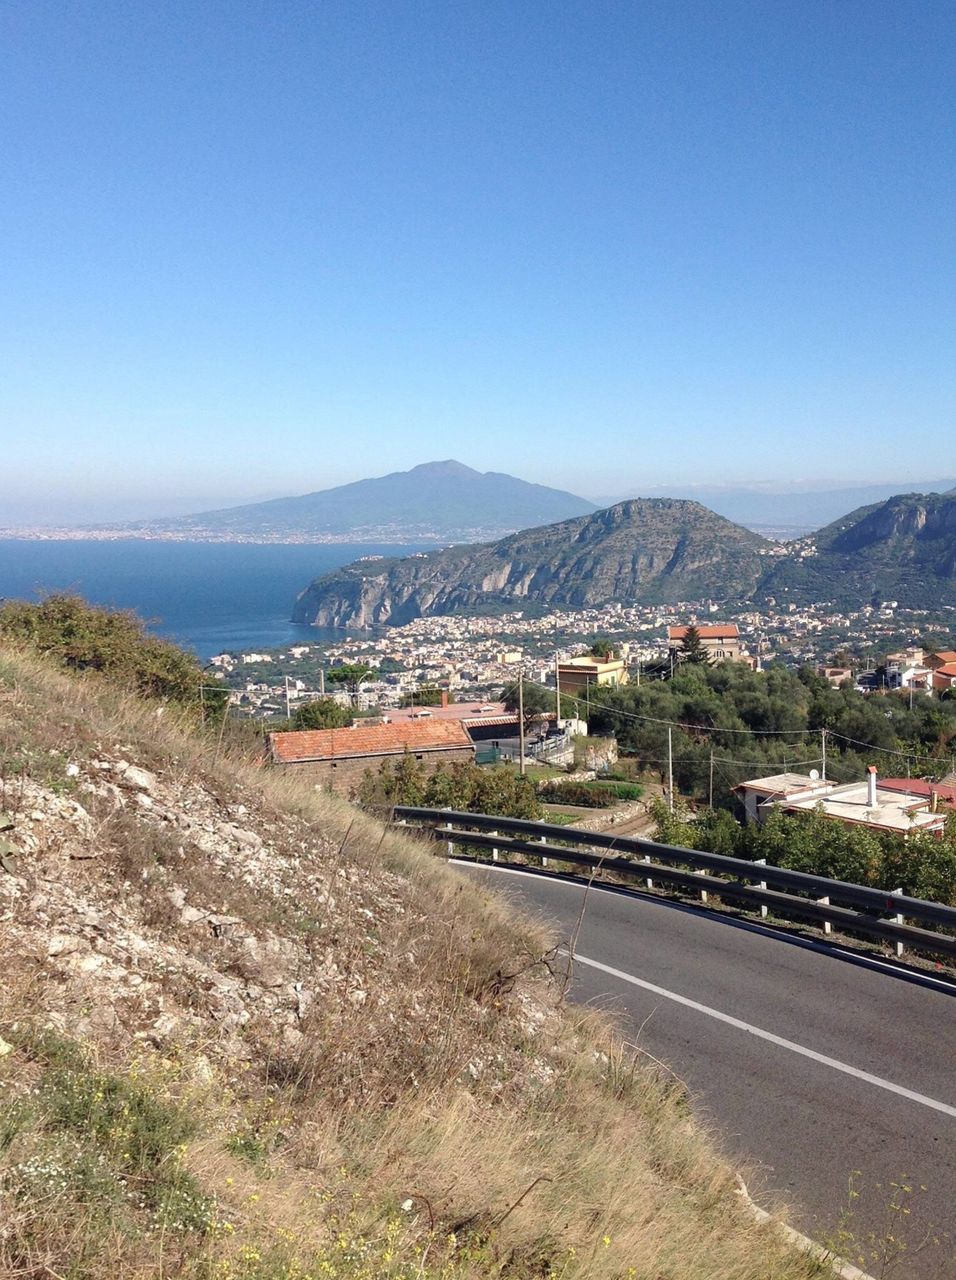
121	1134
426	695
762	722
590	795
462	786
922	865
537	702
349	674
321	713
115	643
602	648
692	648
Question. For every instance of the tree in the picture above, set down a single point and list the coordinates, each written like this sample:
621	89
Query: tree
321	713
426	695
350	675
692	648
602	648
537	702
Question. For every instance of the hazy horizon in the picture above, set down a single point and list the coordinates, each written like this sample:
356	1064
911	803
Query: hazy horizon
686	244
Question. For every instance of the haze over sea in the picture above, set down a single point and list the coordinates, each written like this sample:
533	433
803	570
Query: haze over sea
206	596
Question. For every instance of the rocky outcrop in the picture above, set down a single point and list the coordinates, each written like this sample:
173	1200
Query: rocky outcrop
903	549
648	550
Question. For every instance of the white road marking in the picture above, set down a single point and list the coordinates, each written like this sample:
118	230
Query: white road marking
880	1083
747	1027
751	926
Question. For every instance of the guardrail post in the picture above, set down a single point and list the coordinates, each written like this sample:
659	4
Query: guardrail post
648	881
827	926
897	893
450	843
762	884
544	860
494	851
703	892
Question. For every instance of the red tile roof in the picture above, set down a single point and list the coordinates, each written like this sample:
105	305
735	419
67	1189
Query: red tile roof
947	669
368	740
726	631
920	787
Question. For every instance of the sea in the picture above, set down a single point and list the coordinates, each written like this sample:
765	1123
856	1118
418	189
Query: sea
211	597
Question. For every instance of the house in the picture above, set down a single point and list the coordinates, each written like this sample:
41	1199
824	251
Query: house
338	758
942	658
759	793
576	675
944	677
721	642
898	807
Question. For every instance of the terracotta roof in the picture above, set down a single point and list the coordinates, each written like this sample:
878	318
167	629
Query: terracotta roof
370	740
947	655
727	631
947	669
920	787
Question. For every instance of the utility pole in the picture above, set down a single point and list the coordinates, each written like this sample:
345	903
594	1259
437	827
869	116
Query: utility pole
521	722
670	768
288	709
712	777
322	681
823	752
557	691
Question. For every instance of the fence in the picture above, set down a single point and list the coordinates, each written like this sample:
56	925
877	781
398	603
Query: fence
853	908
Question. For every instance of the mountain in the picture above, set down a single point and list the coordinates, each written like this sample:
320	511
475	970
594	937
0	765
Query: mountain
788	513
437	501
903	549
647	549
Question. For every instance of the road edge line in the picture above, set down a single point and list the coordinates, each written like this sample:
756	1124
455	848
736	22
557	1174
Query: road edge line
840	1267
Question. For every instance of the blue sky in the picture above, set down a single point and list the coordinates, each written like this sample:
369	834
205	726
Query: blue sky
262	248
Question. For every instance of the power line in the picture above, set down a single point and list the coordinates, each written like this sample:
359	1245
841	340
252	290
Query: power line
756	733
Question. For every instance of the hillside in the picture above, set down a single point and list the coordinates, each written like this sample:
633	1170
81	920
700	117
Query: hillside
437	501
903	549
245	1034
648	549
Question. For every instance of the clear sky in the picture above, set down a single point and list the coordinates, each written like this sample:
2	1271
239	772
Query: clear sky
261	248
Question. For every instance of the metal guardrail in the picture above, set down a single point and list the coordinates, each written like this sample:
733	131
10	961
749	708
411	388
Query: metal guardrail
852	908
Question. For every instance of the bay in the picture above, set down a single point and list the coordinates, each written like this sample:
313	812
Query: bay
207	596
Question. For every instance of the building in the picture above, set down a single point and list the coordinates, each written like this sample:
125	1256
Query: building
338	758
897	806
944	677
721	641
576	675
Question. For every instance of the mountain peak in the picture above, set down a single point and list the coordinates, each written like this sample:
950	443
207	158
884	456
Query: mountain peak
443	470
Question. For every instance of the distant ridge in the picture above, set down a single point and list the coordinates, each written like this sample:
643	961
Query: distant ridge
903	549
436	501
657	551
648	549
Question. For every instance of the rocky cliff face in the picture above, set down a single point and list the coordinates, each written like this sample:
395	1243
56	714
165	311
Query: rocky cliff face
650	550
902	549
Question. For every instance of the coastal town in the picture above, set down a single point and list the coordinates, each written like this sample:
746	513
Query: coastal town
474	657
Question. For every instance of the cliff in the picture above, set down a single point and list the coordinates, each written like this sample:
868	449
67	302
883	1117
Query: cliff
648	549
903	549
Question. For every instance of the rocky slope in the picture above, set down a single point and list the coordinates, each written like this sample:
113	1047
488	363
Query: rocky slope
647	549
903	549
247	1034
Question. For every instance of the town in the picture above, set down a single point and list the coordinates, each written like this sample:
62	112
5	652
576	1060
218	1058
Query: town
472	658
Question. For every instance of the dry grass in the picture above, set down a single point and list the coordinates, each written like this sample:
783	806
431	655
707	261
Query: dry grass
457	1122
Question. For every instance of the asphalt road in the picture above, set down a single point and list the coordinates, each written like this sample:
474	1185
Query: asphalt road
805	1066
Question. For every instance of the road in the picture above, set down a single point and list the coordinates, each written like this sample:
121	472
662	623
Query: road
806	1066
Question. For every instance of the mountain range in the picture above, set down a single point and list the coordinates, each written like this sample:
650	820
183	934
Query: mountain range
434	502
655	550
786	513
